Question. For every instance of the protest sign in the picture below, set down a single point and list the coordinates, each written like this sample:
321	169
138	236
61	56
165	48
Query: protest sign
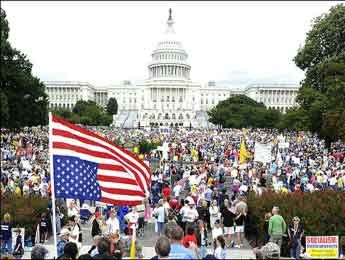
322	246
262	153
283	145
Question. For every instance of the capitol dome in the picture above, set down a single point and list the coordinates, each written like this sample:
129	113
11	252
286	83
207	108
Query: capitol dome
169	59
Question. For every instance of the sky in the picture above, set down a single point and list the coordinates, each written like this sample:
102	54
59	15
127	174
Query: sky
104	43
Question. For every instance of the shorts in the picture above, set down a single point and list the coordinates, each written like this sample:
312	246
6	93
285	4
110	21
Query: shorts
229	230
239	229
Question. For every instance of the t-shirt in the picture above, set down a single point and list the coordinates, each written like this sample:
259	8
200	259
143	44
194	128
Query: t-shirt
228	217
6	231
113	225
177	190
191	215
189	238
132	217
180	252
161	214
44	224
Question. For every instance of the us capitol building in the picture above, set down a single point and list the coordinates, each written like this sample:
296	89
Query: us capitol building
168	97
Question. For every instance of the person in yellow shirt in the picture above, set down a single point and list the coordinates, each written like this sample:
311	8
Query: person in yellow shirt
340	183
18	192
209	181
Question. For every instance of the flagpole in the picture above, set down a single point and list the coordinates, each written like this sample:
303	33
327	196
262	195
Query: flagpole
52	182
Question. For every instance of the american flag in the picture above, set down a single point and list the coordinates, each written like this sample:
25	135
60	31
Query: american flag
90	167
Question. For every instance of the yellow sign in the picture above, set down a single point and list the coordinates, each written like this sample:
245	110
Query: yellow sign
322	246
136	150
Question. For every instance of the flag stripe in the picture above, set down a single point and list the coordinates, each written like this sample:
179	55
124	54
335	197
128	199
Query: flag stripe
92	153
121	196
138	165
118	174
116	179
115	185
121	202
119	149
122	191
58	151
111	167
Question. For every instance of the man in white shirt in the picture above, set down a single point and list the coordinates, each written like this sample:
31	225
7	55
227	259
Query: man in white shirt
74	231
72	210
113	224
177	190
191	214
132	218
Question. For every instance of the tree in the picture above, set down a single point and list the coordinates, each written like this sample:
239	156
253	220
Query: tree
295	119
4	113
242	111
112	106
322	92
86	113
27	103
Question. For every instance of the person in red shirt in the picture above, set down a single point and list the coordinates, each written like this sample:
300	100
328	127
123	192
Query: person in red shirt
173	203
166	191
190	237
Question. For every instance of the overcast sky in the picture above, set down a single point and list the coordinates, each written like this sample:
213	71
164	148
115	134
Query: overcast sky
107	42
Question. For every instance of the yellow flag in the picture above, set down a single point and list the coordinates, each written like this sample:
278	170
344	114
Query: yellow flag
244	154
132	251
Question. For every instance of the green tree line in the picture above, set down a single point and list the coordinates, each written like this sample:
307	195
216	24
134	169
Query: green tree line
85	113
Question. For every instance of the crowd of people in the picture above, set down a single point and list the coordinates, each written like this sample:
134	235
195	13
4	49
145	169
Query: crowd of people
198	188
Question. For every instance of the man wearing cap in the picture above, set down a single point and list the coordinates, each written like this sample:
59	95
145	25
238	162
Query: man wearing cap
64	236
191	214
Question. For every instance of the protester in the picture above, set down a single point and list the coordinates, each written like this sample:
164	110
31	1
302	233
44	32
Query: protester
162	248
295	232
70	250
178	251
132	219
64	238
190	237
276	227
43	228
113	223
228	220
219	250
6	235
18	250
161	216
96	230
39	252
268	215
74	231
217	230
201	235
